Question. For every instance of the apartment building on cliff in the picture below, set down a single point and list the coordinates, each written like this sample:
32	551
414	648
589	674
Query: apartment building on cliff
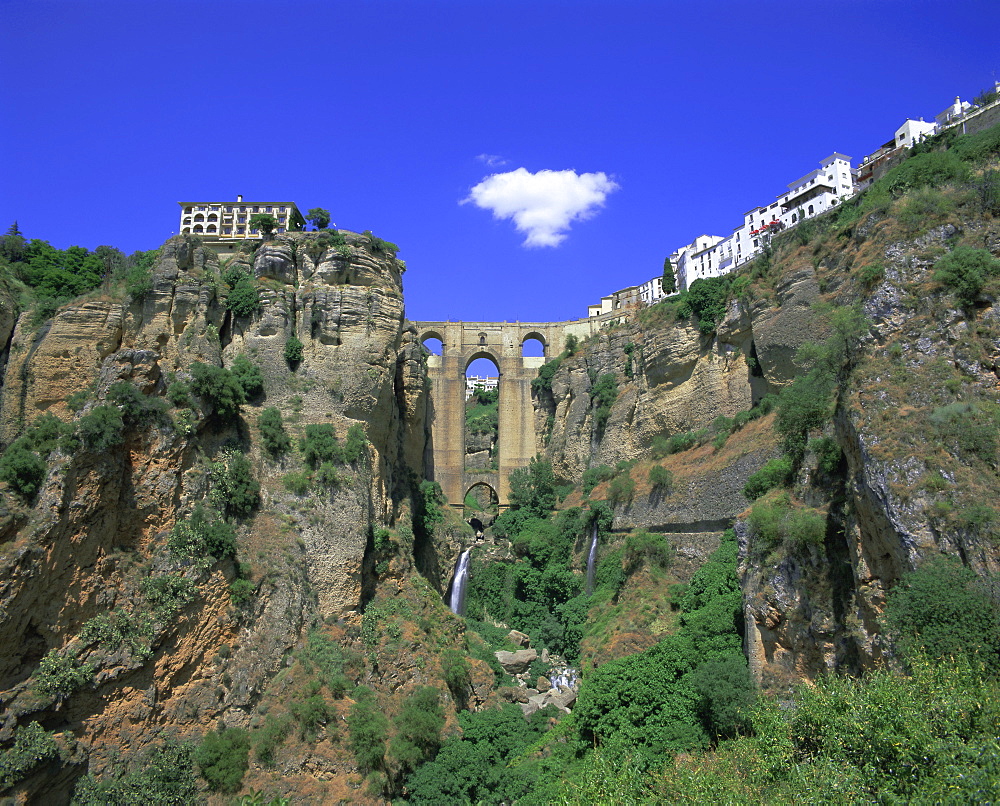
231	220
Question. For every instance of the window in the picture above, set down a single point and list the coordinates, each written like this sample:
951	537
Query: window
227	230
256	209
267	209
240	230
241	219
229	208
281	219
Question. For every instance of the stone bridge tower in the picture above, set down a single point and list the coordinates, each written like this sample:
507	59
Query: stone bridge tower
502	342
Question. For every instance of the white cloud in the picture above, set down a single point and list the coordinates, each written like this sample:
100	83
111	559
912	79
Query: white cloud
492	160
542	204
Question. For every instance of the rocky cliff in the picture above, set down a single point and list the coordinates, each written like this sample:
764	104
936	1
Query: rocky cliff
96	534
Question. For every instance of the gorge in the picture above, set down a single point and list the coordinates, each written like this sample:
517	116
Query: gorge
232	513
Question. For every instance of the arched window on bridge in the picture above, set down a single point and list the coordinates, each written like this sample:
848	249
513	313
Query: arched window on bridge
482	407
433	345
533	347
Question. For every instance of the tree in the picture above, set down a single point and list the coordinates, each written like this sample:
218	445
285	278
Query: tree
219	388
319	217
13	244
265	222
669	278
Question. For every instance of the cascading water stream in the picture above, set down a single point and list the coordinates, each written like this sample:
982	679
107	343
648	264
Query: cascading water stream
457	600
592	561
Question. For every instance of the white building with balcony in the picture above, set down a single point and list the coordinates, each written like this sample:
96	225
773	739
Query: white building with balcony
231	220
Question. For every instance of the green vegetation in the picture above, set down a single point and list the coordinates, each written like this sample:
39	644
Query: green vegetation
59	675
33	745
101	429
418	729
22	470
645	548
273	436
219	388
368	730
223	758
660	701
669	280
320	445
965	271
603	394
233	490
120	629
378	245
318	217
661	479
243	298
944	610
543	381
265	222
168	594
248	376
775	473
293	350
166	775
203	537
778	521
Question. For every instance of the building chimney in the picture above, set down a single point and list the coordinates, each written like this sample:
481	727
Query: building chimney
239	198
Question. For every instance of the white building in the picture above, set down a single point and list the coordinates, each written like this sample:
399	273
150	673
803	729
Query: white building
952	112
808	196
912	132
231	221
472	382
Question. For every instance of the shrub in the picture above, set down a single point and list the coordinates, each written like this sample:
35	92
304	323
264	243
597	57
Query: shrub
60	675
706	299
595	475
23	470
828	453
270	737
326	475
776	521
273	436
775	473
101	429
168	593
355	444
660	478
218	387
602	395
804	405
727	693
248	376
945	610
241	590
234	490
379	245
179	394
543	383
165	777
367	728
320	445
967	430
311	713
223	758
243	298
293	350
202	537
643	547
871	275
32	746
457	674
120	629
297	482
965	271
418	728
621	489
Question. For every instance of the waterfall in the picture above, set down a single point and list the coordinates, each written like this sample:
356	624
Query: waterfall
457	600
592	561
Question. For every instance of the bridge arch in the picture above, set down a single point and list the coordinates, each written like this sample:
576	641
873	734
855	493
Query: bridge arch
477	354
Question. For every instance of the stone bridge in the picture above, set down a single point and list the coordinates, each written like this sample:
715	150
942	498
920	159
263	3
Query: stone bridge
503	343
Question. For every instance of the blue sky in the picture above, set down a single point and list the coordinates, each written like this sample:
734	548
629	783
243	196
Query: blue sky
674	118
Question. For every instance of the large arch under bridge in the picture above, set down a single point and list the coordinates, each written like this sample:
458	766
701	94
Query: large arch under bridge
501	342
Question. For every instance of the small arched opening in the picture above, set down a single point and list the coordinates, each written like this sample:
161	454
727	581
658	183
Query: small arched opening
533	346
481	506
199	228
432	342
199	217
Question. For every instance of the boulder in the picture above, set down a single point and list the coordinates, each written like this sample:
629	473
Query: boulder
519	638
516	662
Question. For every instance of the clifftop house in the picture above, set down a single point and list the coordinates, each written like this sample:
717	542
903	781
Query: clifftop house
231	220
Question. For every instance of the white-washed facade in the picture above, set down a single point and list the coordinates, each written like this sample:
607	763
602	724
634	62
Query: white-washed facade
231	220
